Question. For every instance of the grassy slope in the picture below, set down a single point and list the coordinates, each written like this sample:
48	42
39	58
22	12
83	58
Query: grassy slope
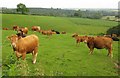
80	25
59	55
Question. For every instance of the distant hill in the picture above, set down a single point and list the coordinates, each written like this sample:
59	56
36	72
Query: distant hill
75	12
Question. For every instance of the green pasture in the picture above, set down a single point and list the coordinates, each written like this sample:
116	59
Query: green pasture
58	55
72	25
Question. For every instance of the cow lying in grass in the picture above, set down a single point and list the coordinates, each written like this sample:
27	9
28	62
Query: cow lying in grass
25	45
35	28
99	42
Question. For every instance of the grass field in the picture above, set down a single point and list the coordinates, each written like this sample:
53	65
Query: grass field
59	55
71	25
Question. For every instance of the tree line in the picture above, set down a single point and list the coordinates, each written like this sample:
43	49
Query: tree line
82	13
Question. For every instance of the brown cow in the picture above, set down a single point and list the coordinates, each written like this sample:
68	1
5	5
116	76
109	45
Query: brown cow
99	43
35	28
48	32
15	28
78	38
63	32
5	29
25	45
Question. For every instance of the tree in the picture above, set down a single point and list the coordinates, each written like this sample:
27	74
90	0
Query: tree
22	8
78	13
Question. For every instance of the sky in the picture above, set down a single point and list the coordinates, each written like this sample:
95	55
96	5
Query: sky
61	3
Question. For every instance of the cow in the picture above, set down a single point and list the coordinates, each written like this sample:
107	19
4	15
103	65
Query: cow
23	30
47	32
113	36
5	29
15	28
23	46
57	32
78	38
35	28
63	32
99	42
21	34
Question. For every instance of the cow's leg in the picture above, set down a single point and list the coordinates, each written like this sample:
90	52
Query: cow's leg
18	54
77	43
91	50
110	51
23	55
35	55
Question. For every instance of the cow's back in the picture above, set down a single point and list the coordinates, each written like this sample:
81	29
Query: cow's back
102	42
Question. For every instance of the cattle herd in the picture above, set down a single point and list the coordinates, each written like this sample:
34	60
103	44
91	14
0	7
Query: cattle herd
21	42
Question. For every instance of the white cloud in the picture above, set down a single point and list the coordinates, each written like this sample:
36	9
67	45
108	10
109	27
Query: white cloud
62	3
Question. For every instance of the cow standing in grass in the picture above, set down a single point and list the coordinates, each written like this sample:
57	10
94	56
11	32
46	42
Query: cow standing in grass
25	45
99	42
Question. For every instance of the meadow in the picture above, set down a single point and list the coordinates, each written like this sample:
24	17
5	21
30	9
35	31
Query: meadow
58	55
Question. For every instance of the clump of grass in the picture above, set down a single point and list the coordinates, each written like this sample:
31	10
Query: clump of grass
14	67
22	68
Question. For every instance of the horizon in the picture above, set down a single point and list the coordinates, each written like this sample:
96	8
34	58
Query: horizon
61	8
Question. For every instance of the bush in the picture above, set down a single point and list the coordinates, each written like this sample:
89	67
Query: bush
114	30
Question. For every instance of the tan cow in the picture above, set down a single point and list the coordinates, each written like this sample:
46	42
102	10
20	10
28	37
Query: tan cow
25	45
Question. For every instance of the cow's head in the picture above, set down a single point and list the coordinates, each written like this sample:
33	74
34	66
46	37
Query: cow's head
13	39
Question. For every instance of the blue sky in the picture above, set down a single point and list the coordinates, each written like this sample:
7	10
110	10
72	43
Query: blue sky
61	3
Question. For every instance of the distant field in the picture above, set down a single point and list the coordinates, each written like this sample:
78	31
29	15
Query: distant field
71	25
58	55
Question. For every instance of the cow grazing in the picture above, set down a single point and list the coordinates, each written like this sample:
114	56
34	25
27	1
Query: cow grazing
113	36
63	32
25	45
35	28
47	32
5	29
15	28
55	31
99	43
